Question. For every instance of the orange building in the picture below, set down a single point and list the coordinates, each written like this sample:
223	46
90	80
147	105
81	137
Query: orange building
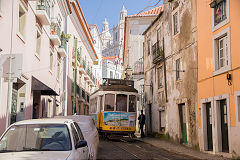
219	76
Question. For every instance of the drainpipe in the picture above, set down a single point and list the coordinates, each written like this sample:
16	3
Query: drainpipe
165	77
10	84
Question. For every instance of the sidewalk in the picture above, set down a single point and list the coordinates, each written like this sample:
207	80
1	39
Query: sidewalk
179	149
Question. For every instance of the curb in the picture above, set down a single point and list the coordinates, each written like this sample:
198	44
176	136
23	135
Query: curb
173	151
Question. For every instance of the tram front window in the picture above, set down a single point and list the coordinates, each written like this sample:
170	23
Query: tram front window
132	103
122	102
109	102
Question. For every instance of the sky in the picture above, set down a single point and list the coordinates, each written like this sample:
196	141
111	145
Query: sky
95	11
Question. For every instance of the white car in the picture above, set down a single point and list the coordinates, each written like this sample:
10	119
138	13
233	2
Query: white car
43	139
89	131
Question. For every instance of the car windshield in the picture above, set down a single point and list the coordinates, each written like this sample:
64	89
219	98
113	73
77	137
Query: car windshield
36	137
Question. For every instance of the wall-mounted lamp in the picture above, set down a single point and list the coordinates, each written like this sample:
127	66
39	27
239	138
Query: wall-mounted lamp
229	78
0	49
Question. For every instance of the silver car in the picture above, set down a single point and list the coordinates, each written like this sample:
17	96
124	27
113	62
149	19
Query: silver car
43	139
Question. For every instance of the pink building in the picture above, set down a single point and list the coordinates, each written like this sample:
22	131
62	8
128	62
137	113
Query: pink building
39	32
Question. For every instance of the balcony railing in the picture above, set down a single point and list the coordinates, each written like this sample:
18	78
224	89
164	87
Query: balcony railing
157	52
84	64
139	66
44	5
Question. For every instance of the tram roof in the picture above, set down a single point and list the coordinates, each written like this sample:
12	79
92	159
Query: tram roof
117	85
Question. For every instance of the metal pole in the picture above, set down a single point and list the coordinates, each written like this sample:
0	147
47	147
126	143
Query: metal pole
10	86
75	78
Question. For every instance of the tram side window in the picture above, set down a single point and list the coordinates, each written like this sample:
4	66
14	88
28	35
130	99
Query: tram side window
109	102
122	102
132	103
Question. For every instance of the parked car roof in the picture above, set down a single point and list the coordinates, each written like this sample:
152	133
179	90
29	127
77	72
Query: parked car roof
44	121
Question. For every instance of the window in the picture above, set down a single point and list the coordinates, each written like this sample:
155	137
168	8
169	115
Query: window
75	135
36	137
111	74
51	60
178	69
109	102
121	102
160	77
38	45
21	20
175	22
221	52
220	12
238	107
132	103
116	36
148	46
79	131
159	36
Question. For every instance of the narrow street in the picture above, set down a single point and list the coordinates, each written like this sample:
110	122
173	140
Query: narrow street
109	149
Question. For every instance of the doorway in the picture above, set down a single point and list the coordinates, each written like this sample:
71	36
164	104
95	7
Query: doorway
183	125
150	117
224	125
209	126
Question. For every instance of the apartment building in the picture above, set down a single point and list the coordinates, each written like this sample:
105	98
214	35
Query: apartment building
33	48
170	73
81	57
218	76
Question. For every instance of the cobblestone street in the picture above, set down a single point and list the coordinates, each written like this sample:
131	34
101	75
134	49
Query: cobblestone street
134	150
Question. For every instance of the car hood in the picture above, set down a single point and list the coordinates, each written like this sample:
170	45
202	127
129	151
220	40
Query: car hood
41	155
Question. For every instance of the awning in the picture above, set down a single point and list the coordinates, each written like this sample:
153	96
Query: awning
44	89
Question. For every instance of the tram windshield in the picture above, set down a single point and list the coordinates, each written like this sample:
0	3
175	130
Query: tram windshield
121	102
109	102
132	103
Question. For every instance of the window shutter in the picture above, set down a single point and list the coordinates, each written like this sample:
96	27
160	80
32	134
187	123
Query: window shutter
216	54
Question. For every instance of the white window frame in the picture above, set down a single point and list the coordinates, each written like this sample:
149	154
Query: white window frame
178	70
39	31
23	6
0	8
58	69
221	24
158	77
237	107
215	41
176	11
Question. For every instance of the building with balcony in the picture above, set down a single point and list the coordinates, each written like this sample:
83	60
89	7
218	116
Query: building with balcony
133	51
98	45
81	80
170	69
31	38
218	76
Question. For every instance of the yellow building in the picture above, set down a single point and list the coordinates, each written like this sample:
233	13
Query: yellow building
219	76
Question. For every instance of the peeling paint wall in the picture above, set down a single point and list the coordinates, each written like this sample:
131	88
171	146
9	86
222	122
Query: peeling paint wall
181	46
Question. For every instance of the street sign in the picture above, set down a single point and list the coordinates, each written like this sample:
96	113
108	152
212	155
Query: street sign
16	65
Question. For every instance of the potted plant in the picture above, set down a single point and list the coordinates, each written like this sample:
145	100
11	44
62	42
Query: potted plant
41	5
54	28
62	39
67	37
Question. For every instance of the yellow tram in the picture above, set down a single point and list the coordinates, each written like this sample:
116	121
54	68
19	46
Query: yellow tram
113	107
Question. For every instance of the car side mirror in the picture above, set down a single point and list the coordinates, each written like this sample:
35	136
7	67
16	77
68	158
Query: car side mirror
81	144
